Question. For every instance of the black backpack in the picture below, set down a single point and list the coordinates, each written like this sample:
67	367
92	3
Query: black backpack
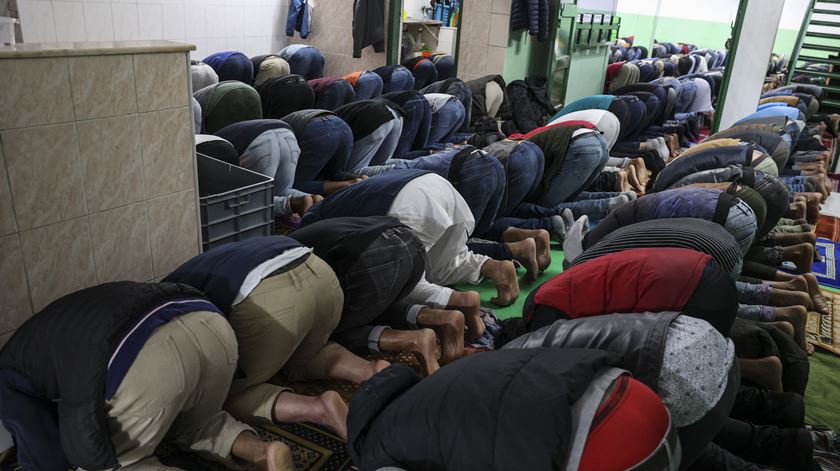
529	103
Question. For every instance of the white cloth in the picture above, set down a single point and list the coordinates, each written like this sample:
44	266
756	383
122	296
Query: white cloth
494	96
266	268
695	367
443	222
438	100
702	102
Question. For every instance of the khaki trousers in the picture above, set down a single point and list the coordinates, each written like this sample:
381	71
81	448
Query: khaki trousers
285	323
175	390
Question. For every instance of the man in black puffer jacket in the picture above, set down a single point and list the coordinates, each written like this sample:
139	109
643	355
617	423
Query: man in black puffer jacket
511	410
98	378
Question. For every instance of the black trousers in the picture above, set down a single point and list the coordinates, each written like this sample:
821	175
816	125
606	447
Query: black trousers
387	270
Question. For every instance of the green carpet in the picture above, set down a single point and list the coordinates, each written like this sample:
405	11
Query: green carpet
822	399
488	290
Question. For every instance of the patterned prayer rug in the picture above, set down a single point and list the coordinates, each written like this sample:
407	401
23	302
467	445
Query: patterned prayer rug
826	268
823	330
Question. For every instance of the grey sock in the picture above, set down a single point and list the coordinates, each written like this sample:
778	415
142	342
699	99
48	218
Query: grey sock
558	229
617	201
631	196
573	245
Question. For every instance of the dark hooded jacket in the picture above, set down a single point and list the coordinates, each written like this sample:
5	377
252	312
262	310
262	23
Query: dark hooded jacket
531	15
520	398
53	372
366	116
283	95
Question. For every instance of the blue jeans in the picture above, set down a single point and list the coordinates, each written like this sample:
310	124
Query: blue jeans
446	121
416	123
525	167
377	147
401	80
480	181
586	157
596	209
308	62
326	143
741	224
368	86
337	94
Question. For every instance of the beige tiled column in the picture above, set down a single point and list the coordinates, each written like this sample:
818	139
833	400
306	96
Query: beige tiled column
97	169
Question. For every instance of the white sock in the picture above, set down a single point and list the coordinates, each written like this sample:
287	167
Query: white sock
617	201
573	245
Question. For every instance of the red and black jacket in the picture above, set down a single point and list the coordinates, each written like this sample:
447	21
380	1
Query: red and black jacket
639	280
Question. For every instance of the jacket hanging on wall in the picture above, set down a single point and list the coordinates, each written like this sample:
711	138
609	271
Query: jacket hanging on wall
299	18
531	15
368	26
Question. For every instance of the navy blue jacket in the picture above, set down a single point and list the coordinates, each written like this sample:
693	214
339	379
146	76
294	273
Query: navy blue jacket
53	372
371	197
220	272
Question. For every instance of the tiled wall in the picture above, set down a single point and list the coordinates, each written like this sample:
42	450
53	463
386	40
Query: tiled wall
332	33
484	38
96	175
251	26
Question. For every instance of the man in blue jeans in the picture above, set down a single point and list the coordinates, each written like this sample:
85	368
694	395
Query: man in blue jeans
306	61
417	121
376	130
269	147
326	143
448	115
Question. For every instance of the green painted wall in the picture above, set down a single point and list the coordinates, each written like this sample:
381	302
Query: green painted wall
704	34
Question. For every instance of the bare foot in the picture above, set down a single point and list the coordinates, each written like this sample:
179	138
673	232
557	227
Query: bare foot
469	303
765	372
421	343
525	252
334	413
278	457
267	456
798	317
328	410
780	297
449	327
802	255
798	283
540	236
797	210
301	204
503	274
784	326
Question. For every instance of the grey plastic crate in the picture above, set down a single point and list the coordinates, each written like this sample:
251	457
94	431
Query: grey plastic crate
235	203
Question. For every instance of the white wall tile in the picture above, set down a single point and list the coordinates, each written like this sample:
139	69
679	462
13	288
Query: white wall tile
69	21
196	20
215	45
126	21
99	22
216	23
173	21
234	21
36	18
151	21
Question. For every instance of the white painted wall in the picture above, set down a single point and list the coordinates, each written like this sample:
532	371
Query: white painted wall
749	68
250	26
722	11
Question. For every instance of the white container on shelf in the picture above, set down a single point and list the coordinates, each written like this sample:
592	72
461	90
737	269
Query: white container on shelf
446	40
7	31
